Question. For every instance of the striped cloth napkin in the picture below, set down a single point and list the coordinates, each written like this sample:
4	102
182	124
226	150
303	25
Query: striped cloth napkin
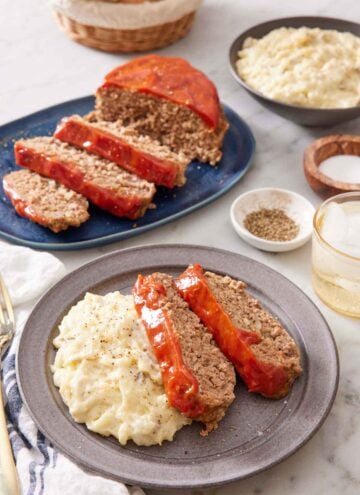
42	469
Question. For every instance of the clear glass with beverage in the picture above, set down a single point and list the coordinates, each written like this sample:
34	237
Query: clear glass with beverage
336	253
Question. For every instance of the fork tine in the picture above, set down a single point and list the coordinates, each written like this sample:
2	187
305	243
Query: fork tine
8	304
2	317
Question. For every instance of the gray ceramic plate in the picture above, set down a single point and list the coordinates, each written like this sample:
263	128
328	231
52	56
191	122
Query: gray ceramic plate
255	434
300	115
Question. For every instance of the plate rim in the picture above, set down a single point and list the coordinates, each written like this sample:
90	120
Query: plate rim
188	485
108	239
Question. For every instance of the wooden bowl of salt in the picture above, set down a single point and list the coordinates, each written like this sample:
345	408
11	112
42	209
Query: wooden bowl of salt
332	164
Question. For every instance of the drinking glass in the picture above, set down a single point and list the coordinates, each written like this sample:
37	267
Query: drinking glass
335	273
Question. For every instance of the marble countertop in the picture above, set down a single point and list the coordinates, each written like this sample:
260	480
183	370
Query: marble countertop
41	67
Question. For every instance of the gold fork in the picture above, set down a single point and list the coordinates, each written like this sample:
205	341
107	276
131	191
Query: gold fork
9	483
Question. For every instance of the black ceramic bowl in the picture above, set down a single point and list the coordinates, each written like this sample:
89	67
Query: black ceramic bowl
300	115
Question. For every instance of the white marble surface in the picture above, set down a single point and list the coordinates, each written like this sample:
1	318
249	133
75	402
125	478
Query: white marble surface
41	67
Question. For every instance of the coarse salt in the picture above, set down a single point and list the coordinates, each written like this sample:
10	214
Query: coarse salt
342	168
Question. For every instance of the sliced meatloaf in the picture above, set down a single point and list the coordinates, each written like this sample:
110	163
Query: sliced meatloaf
137	154
170	101
44	201
263	353
99	180
198	379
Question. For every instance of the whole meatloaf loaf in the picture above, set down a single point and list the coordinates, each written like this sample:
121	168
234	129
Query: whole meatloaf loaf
198	379
138	154
101	181
170	101
44	201
263	353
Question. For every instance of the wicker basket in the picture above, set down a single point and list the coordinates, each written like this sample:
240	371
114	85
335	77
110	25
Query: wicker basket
126	40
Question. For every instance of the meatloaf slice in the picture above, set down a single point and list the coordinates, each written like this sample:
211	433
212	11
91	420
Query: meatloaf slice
44	201
99	180
263	353
198	379
172	125
170	101
137	154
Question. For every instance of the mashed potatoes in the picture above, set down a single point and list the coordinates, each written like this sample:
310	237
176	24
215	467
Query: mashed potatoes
107	373
307	67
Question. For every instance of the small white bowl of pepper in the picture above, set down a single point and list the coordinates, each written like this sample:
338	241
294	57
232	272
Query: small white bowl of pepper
273	219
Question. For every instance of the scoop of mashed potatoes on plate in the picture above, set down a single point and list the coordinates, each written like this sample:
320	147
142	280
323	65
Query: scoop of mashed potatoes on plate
107	373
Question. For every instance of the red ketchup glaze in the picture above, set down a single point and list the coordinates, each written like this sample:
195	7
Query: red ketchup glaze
171	78
97	141
72	177
180	384
21	206
235	343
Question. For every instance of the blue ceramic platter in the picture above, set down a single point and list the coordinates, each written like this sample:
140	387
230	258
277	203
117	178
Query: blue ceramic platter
204	184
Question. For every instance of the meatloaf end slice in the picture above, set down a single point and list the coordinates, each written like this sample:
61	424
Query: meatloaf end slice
44	201
101	181
264	354
137	154
175	126
198	378
170	78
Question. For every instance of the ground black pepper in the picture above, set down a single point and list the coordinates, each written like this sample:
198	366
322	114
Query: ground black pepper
271	224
